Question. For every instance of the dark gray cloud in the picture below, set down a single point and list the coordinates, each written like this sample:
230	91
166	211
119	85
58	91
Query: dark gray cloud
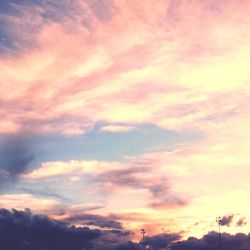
104	223
113	240
157	242
24	230
210	242
128	246
226	220
161	241
95	220
16	156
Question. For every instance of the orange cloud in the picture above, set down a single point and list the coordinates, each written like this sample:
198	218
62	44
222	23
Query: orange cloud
23	201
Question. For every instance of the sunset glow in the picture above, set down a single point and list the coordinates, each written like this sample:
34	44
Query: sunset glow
135	111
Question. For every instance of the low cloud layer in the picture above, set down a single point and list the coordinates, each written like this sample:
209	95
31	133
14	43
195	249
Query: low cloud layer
210	242
24	230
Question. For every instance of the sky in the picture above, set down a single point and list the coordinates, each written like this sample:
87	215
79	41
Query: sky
118	115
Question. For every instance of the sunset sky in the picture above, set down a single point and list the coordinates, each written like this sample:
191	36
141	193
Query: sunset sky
127	114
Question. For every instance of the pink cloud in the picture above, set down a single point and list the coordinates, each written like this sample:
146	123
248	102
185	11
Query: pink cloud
155	67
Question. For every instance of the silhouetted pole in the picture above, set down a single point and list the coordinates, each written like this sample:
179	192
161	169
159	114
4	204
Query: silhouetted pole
143	239
218	220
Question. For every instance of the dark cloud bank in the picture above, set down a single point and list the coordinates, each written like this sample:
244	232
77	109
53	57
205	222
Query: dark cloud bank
23	230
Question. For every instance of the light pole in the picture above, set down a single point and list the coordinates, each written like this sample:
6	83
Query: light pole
218	220
143	238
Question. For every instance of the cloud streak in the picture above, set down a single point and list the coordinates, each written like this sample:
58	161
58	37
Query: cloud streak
94	220
108	177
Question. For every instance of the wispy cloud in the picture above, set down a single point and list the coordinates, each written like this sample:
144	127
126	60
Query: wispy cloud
111	177
114	84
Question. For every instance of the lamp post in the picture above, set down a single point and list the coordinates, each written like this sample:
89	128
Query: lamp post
143	238
218	220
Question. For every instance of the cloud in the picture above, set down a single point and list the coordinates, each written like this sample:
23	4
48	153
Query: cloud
16	155
103	9
112	239
170	201
226	220
161	241
241	222
21	229
21	200
128	246
94	220
141	178
22	21
25	230
75	78
111	177
74	168
117	128
210	241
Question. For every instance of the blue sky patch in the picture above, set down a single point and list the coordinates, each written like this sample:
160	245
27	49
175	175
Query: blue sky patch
107	146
